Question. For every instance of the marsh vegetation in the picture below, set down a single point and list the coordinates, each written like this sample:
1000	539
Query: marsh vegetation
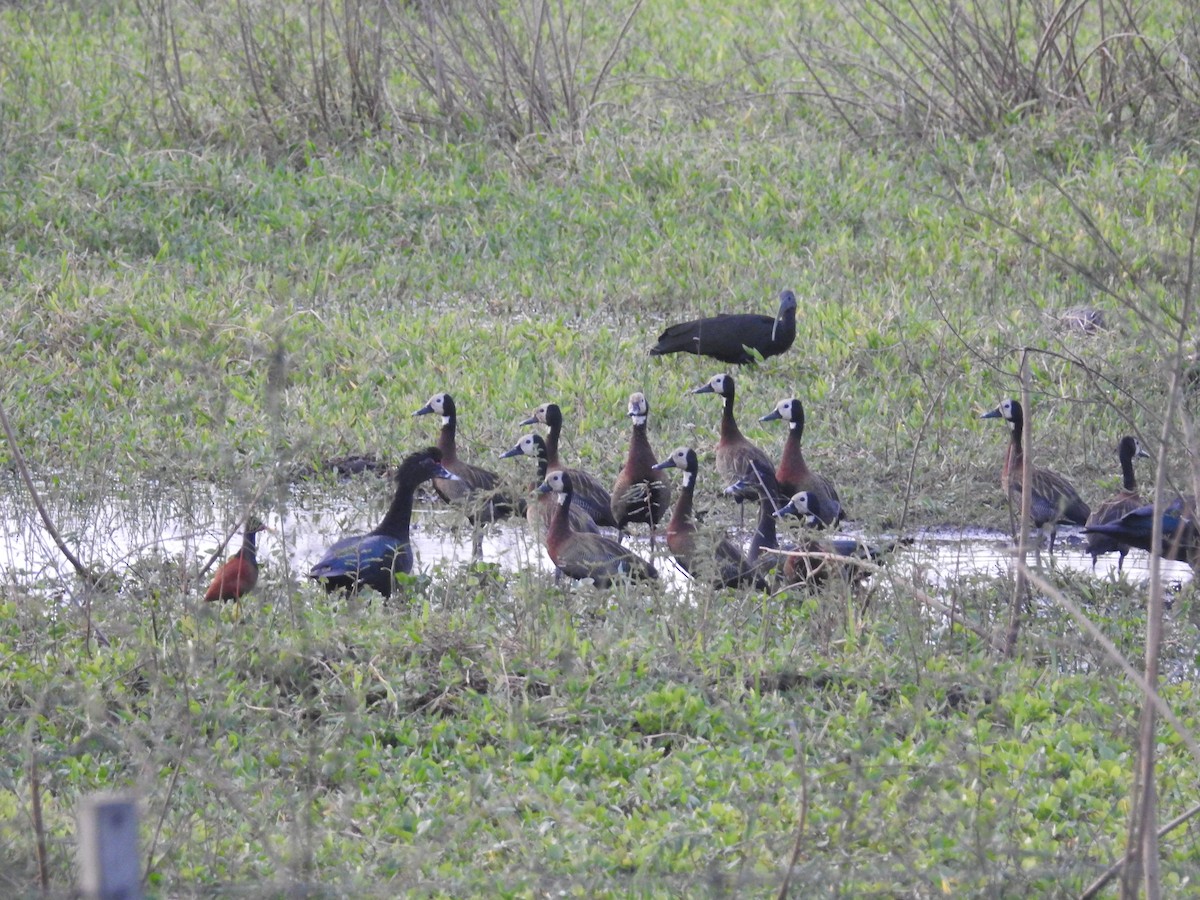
242	240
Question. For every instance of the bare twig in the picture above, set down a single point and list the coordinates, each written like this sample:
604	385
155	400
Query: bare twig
800	825
19	458
1101	882
39	825
946	68
166	806
1186	737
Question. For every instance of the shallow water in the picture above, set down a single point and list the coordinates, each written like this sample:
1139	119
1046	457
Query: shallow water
113	526
947	554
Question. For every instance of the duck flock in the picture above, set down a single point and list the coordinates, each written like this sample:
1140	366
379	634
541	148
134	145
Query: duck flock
582	522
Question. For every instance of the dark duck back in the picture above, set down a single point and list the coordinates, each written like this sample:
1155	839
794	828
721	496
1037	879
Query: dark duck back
1180	536
1127	499
373	559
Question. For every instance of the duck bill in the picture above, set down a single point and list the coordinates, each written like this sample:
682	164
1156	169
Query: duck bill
993	414
771	416
514	451
424	410
446	475
665	464
705	388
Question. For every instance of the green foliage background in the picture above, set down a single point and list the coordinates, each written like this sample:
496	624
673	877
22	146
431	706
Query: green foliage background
191	194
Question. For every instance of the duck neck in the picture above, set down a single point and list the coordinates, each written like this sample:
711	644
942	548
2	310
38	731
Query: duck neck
1016	451
683	516
791	447
640	452
249	551
552	445
398	518
1128	480
796	431
729	428
560	525
765	537
446	438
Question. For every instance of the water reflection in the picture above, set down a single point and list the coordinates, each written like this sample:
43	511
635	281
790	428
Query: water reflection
947	554
112	526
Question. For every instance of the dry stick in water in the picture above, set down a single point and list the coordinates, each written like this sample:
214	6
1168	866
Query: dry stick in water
82	570
19	459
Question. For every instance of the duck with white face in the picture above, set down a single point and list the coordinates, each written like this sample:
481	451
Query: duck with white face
793	473
739	460
540	513
641	493
588	488
1052	499
579	555
475	490
712	558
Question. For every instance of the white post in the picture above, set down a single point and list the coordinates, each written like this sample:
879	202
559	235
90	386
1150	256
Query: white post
109	868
